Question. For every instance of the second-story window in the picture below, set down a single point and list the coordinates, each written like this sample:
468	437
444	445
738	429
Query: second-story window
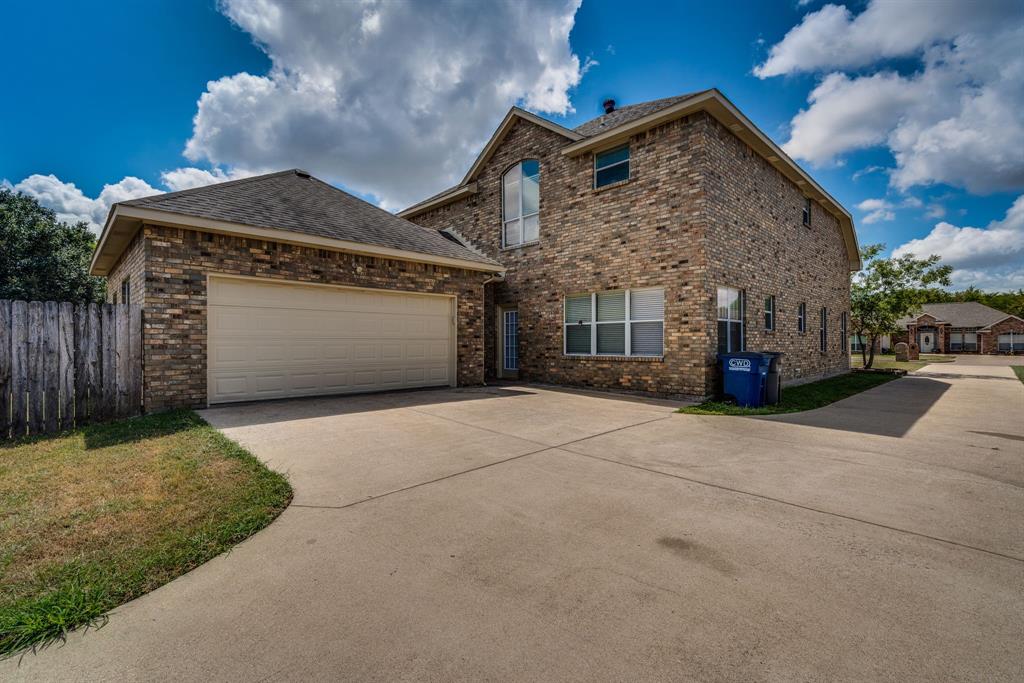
520	198
611	166
807	211
801	317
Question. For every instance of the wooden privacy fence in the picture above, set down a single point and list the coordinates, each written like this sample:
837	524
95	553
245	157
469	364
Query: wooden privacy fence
63	365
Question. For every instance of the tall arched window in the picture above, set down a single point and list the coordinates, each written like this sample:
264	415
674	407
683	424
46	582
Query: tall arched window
520	198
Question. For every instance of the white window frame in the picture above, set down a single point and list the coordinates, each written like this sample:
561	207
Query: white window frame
843	329
806	211
629	169
126	290
801	317
769	313
823	330
742	320
521	217
594	322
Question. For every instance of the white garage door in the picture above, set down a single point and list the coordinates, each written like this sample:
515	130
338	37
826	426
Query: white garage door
271	340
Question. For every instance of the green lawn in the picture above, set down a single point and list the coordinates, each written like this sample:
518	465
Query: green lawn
95	517
889	362
802	397
1019	371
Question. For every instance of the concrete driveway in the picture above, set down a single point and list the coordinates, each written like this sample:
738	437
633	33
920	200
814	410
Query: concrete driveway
519	532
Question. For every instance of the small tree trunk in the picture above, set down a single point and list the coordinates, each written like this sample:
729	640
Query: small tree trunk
871	355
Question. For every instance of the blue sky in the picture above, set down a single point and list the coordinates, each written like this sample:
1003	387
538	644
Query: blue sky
909	129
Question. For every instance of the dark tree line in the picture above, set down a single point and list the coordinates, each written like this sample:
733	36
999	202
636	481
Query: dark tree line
42	258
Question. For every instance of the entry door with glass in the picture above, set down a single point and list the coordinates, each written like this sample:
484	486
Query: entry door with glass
927	342
510	343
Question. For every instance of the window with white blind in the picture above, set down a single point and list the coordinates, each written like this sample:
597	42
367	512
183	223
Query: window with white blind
963	341
1011	342
520	198
620	323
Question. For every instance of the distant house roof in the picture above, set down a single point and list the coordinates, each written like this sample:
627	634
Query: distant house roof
293	201
959	314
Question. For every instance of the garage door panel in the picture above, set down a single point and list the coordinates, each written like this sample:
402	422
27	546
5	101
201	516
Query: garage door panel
271	340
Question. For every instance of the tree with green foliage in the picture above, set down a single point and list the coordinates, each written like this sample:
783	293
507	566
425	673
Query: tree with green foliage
42	258
887	289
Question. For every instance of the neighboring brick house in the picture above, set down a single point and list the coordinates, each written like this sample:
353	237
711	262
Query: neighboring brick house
623	254
643	242
963	327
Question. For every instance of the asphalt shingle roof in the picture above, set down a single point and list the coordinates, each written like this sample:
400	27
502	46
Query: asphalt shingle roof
960	314
295	201
628	113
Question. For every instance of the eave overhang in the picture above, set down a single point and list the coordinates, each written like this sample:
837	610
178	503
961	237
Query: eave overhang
124	221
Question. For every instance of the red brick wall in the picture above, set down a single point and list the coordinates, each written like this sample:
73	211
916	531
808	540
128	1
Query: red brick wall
644	232
989	341
177	262
700	210
131	265
756	241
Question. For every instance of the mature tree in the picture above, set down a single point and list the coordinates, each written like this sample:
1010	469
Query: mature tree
888	289
41	258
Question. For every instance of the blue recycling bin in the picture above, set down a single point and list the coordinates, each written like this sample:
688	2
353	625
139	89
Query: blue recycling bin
743	375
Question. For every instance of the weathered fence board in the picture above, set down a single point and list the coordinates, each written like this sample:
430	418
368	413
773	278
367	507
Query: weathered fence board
94	368
108	374
19	367
51	367
5	368
36	367
66	360
63	365
5	359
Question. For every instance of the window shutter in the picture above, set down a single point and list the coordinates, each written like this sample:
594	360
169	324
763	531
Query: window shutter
647	304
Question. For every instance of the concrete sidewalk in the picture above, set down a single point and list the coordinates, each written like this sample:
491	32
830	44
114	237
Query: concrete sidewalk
522	533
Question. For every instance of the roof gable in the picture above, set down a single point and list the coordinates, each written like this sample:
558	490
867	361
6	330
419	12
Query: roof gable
503	128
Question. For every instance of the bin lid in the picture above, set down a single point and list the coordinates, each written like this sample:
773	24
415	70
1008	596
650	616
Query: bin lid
742	354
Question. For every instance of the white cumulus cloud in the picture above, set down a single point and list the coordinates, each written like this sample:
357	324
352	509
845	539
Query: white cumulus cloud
189	177
392	99
990	258
955	120
72	205
877	210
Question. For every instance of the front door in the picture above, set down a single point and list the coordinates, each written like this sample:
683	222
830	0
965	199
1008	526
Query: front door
927	342
509	341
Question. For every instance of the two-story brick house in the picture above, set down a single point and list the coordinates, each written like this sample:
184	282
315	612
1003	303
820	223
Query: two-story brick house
643	242
622	254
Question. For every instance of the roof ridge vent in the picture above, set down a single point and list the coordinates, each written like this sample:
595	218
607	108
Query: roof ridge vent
302	174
